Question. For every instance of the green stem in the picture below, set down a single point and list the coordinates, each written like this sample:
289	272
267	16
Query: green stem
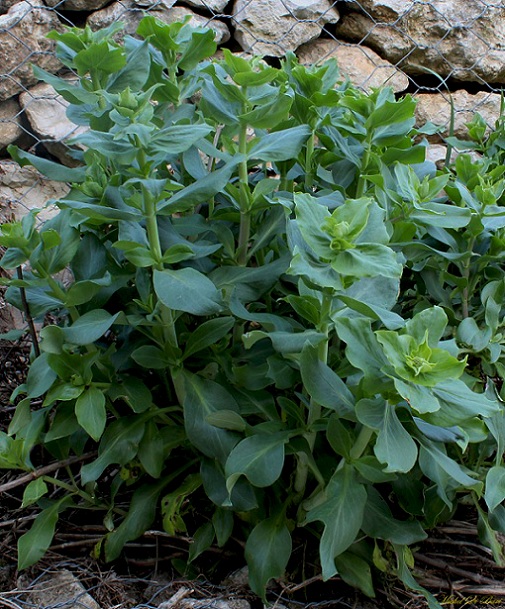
69	488
309	154
360	188
465	297
245	218
361	443
153	235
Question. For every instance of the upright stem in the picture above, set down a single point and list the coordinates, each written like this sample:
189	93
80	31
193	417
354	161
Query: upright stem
465	297
309	153
360	188
245	219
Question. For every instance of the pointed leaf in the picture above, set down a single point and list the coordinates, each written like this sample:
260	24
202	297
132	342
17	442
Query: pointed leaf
187	290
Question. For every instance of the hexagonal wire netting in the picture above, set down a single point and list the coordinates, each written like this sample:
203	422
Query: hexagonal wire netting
442	51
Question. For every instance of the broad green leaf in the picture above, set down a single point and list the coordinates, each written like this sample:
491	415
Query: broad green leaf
187	290
380	523
34	490
495	487
339	437
490	537
135	73
260	458
460	402
139	518
99	57
200	46
367	260
243	498
40	377
394	445
33	545
207	334
200	191
91	413
222	521
451	467
119	444
404	556
178	138
133	391
323	384
52	170
280	145
89	327
149	356
227	419
203	398
285	342
471	335
152	450
267	551
342	514
362	350
70	91
202	540
356	572
391	112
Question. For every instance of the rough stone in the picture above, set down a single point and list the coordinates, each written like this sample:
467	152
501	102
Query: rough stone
130	13
23	42
461	38
60	589
436	108
272	27
215	6
77	5
364	68
10	126
24	188
5	5
45	111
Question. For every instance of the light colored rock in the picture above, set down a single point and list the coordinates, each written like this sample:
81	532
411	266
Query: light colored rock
24	188
45	111
60	589
23	42
10	126
364	68
272	27
461	38
215	6
436	108
77	5
130	13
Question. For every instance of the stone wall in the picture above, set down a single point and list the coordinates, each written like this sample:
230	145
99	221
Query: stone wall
437	50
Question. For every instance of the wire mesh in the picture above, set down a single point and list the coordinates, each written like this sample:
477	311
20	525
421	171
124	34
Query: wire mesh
445	52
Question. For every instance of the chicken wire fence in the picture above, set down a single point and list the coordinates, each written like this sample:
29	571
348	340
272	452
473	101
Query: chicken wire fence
440	51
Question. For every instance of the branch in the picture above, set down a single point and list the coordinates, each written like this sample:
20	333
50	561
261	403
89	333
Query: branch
42	471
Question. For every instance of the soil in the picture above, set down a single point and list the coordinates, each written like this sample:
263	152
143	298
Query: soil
453	563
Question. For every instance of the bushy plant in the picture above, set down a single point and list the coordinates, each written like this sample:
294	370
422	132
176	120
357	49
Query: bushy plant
277	308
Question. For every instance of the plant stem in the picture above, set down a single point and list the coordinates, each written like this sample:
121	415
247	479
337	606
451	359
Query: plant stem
309	153
245	218
361	443
465	297
360	188
28	316
153	235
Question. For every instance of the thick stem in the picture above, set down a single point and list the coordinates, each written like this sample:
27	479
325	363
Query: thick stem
465	297
153	235
28	316
245	218
360	188
361	442
309	154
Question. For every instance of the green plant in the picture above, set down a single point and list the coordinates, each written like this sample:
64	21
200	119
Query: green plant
273	288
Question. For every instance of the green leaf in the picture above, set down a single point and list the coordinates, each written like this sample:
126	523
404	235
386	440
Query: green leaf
52	170
227	419
200	46
149	356
495	487
280	145
99	57
135	73
342	514
119	444
89	327
267	551
152	450
187	290
356	572
33	545
449	466
40	376
34	490
204	398
207	334
391	112
139	518
90	412
222	521
177	138
133	391
380	523
471	335
284	342
70	91
202	540
323	384
260	458
393	445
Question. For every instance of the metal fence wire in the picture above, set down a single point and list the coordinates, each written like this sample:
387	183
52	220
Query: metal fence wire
442	51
